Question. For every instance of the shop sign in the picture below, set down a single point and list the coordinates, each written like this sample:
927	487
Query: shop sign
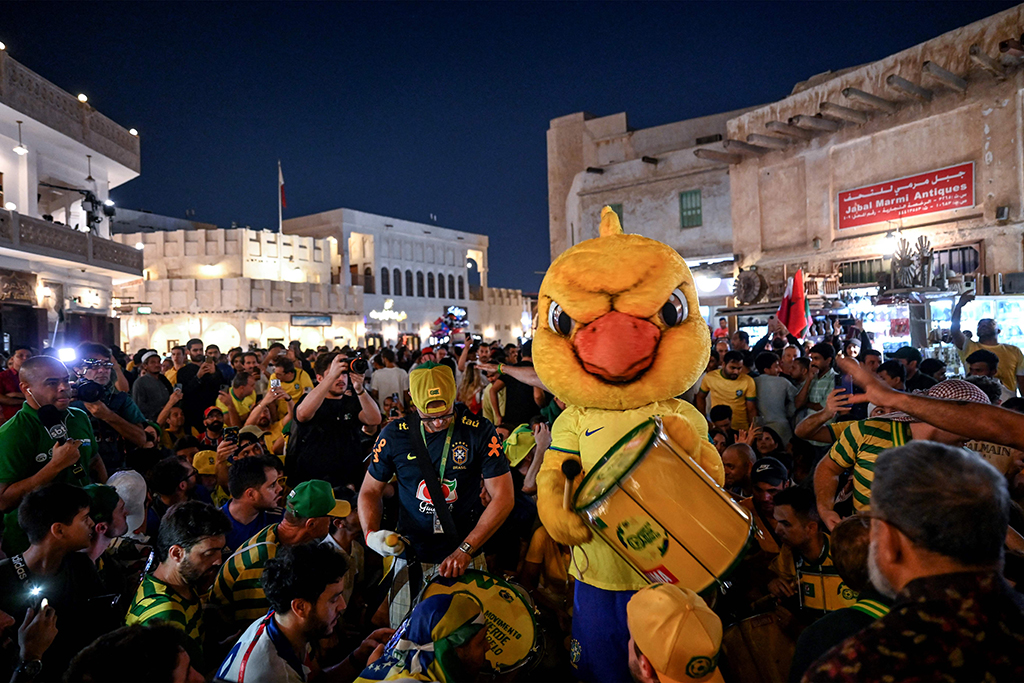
917	195
389	312
16	285
311	320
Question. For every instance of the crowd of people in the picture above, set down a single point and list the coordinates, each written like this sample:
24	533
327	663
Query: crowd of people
274	514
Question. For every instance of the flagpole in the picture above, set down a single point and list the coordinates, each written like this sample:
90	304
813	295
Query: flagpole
280	224
280	229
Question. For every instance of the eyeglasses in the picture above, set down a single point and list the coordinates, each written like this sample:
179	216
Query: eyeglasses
437	418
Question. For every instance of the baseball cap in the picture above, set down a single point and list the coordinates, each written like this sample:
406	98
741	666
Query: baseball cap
104	502
432	382
907	353
147	355
769	471
131	487
206	413
677	631
251	429
949	390
314	498
518	444
205	462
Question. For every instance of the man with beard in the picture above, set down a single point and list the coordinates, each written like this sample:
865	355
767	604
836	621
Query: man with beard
189	549
255	487
325	437
213	422
200	381
939	517
304	586
729	386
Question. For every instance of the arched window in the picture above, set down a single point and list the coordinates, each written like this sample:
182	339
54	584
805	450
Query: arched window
451	286
368	280
440	286
462	289
408	283
385	281
398	282
430	285
419	284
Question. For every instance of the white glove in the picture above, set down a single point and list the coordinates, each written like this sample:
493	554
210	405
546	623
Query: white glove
385	543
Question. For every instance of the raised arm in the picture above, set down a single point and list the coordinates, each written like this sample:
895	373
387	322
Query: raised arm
954	327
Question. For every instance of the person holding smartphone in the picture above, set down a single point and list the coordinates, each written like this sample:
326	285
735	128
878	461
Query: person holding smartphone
201	382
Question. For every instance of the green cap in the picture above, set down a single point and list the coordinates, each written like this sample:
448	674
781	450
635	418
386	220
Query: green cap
315	498
104	502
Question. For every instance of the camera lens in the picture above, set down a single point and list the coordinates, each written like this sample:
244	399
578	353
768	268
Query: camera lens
359	366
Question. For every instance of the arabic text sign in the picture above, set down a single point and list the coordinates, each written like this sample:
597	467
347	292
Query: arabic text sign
941	190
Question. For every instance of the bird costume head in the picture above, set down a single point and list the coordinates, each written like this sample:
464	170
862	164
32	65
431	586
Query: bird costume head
618	322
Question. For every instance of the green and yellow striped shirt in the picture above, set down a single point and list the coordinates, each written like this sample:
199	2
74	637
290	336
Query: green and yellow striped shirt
859	446
237	590
157	601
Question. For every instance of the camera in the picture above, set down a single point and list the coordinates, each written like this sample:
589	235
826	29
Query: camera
358	365
86	390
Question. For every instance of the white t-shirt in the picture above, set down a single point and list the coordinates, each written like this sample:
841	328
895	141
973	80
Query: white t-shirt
387	381
265	656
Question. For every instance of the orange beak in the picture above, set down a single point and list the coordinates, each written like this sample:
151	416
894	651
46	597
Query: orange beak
617	347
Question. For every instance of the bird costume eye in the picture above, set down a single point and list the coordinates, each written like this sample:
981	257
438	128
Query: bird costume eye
674	311
559	321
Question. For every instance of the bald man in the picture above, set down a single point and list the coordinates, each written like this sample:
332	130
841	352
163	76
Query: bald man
738	460
31	455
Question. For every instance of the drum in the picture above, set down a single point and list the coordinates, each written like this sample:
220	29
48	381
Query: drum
662	513
760	649
512	629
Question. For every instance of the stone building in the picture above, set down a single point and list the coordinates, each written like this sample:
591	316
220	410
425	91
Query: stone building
422	269
653	181
925	143
59	158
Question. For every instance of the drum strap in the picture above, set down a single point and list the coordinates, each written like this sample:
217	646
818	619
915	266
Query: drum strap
437	497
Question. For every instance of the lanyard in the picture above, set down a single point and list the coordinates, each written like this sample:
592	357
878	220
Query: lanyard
447	445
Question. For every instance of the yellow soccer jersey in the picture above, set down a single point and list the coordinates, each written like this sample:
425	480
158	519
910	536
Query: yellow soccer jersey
591	432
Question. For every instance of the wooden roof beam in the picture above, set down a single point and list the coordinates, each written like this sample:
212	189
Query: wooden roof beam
908	87
982	59
870	100
845	113
947	77
791	131
715	155
744	148
816	122
768	141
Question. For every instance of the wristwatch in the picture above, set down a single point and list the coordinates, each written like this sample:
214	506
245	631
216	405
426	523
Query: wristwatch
466	548
28	669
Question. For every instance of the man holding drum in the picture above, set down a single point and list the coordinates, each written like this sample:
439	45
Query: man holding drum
463	451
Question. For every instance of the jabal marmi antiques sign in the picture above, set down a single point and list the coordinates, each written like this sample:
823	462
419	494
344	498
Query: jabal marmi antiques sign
916	195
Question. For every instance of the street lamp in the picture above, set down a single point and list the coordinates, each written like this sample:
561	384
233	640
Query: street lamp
82	98
20	150
11	206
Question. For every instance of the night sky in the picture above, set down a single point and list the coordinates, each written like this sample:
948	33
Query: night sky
409	110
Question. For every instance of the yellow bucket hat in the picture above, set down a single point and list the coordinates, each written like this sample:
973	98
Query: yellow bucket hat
518	444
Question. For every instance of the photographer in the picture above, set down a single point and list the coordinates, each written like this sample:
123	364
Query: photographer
201	382
325	437
68	454
116	420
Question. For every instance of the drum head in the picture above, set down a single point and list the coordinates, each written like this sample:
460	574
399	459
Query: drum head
616	463
511	626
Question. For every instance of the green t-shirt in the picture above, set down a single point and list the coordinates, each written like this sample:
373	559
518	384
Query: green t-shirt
26	447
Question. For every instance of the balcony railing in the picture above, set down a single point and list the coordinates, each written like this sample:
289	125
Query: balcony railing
42	238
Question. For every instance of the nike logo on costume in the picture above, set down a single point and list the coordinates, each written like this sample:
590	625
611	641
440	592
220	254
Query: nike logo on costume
411	457
593	431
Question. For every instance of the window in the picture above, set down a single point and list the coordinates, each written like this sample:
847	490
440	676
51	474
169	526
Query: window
385	281
959	260
689	209
408	283
617	208
440	286
462	290
419	284
863	272
368	280
451	286
398	282
430	285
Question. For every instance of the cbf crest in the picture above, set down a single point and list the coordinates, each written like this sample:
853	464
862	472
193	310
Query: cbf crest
460	454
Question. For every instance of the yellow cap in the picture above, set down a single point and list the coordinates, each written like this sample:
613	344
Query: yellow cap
205	462
518	444
676	630
431	382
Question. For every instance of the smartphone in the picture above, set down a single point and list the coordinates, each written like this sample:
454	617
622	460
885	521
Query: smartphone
231	434
177	387
275	384
225	387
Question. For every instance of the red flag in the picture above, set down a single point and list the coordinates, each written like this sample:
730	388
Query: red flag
793	311
280	182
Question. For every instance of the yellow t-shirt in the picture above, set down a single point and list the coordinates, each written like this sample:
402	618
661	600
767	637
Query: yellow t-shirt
299	386
545	552
731	392
591	432
486	401
1011	361
172	376
242	406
